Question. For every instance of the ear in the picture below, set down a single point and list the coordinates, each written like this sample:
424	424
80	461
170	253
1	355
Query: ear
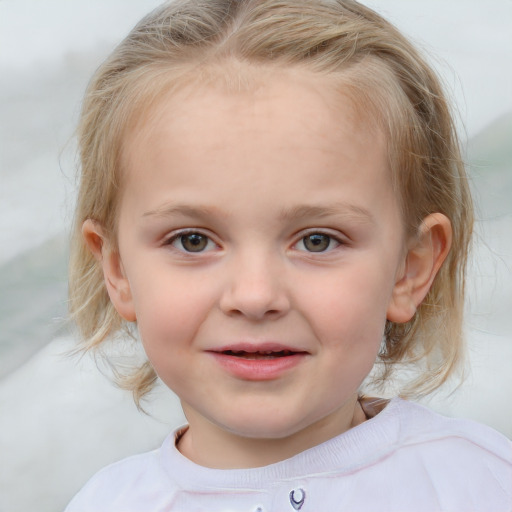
118	286
424	258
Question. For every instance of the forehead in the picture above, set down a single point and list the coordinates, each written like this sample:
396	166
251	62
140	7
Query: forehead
293	107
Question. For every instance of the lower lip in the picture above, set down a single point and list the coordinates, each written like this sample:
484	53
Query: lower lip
258	369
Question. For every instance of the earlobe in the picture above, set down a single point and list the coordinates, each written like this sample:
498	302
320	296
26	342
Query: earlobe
422	263
116	282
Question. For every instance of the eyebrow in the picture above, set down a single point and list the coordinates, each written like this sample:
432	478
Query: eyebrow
347	210
296	213
185	210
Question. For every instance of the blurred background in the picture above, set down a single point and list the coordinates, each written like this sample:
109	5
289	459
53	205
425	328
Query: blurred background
60	419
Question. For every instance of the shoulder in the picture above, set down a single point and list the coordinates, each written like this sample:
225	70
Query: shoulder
122	486
421	425
455	453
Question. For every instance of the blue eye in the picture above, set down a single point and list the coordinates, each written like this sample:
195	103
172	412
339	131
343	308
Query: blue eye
317	242
192	242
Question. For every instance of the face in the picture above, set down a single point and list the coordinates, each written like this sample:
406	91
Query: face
260	248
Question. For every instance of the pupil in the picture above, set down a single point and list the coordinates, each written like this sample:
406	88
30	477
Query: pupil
194	242
317	242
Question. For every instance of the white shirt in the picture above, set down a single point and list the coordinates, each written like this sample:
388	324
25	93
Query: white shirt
406	458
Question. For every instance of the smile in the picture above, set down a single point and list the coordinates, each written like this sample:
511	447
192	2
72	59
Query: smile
266	354
258	363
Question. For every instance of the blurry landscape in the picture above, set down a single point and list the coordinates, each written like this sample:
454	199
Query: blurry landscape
39	108
59	419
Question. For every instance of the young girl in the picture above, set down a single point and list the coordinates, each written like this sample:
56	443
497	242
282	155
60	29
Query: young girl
272	194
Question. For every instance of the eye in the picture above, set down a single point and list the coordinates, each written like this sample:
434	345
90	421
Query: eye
192	242
317	242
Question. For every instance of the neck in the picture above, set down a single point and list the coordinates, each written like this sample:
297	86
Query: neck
211	446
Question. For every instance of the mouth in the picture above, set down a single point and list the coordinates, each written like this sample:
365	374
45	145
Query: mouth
260	354
262	362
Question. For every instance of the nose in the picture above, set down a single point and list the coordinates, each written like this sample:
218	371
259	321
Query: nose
256	288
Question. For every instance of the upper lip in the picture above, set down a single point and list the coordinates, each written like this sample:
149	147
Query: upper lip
265	347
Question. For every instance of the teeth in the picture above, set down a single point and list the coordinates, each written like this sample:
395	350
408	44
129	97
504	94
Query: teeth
259	353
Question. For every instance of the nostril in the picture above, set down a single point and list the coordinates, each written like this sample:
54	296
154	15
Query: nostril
254	315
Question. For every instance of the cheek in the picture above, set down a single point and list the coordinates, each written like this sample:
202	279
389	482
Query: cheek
353	302
169	313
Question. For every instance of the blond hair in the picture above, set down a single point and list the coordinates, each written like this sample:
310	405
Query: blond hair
370	60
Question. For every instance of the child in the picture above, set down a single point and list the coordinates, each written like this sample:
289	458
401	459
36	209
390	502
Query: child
272	193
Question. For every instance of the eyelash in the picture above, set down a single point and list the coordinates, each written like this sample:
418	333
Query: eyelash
178	237
331	239
181	235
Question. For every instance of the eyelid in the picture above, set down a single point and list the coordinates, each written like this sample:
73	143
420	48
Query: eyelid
334	235
169	239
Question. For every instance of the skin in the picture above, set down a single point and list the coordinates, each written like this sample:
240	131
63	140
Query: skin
253	174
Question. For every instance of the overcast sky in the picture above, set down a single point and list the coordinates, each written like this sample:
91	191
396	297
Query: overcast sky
471	40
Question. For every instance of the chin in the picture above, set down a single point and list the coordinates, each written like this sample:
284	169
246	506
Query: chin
263	426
